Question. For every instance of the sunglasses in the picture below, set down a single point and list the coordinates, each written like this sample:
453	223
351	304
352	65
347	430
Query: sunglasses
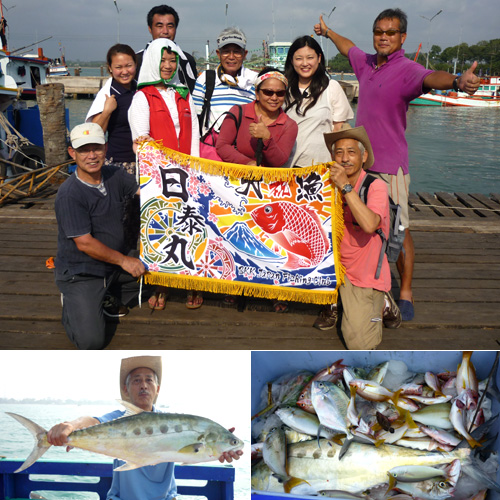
379	32
270	93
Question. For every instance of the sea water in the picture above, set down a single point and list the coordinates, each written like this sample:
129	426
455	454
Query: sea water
16	443
450	149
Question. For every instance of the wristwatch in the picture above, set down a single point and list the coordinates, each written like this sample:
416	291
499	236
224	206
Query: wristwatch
455	84
346	189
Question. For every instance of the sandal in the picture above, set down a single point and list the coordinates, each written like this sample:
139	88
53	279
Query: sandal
157	301
194	300
280	306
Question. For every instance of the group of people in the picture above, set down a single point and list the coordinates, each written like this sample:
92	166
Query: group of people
294	118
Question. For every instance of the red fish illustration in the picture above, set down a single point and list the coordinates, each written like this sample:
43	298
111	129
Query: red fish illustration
297	229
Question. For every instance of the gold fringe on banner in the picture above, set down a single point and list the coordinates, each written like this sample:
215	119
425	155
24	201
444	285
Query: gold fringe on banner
239	288
237	171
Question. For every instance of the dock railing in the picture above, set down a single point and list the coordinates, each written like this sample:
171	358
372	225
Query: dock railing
16	486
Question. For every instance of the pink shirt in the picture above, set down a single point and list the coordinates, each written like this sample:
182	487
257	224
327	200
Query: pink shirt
384	95
276	149
360	251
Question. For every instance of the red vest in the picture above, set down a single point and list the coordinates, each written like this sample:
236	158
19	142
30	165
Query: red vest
161	126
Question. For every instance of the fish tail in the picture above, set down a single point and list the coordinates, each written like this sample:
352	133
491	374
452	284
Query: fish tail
292	483
40	435
473	470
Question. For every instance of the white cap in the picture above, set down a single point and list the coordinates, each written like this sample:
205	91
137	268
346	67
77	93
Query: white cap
87	133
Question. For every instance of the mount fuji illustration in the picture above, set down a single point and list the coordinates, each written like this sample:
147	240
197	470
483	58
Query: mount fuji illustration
244	240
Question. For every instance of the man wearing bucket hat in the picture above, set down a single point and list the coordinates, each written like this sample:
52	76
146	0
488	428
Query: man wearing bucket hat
92	260
362	294
140	382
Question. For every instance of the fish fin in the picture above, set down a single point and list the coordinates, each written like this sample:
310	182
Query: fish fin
191	448
292	482
473	470
127	466
378	442
345	447
392	482
130	408
40	435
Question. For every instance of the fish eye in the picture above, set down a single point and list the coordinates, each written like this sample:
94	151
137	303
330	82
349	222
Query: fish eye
234	442
268	209
442	484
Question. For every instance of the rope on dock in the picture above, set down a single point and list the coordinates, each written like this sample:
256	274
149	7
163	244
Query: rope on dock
455	208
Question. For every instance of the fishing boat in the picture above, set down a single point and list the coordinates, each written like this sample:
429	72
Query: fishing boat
8	86
213	483
487	96
277	54
28	71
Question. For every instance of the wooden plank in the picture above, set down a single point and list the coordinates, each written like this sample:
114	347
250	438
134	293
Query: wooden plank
471	202
438	207
450	201
487	202
419	208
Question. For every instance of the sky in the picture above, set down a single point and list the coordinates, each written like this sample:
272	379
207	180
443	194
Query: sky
85	30
196	382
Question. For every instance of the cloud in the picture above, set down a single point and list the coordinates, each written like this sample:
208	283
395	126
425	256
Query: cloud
87	29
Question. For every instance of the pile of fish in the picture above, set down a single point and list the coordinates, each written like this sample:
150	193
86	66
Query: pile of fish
144	438
352	432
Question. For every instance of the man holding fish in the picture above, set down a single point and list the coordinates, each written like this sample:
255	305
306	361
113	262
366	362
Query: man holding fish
140	380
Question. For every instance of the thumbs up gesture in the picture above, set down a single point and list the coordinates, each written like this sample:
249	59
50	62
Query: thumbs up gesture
259	130
469	82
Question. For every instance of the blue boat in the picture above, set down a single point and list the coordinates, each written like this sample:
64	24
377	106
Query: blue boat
18	486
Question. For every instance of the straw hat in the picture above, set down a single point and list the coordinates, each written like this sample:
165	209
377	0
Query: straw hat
130	364
358	134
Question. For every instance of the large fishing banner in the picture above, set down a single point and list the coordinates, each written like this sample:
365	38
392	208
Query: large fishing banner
236	229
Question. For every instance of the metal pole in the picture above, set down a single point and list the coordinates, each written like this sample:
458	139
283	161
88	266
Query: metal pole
429	36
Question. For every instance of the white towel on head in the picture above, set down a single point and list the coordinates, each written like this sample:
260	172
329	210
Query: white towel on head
150	69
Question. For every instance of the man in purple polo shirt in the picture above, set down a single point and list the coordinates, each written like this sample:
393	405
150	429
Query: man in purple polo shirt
388	81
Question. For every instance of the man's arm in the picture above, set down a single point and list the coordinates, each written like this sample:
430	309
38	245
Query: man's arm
343	44
99	251
441	80
368	220
58	435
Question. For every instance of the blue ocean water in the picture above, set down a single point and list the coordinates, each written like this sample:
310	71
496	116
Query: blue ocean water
450	149
16	443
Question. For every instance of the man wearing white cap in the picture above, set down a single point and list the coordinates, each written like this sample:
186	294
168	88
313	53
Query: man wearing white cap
140	381
91	255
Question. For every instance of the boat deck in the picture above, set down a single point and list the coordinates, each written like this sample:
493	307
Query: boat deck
456	290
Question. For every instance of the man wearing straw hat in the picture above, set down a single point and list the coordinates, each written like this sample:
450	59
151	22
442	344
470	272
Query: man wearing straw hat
140	381
362	293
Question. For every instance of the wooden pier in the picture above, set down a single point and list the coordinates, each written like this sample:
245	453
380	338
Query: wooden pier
456	290
75	86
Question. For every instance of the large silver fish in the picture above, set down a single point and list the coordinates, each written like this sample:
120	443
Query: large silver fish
144	438
362	467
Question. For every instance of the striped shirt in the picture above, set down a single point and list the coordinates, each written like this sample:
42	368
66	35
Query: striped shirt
225	96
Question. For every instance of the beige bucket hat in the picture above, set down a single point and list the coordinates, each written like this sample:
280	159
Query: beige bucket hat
130	364
358	134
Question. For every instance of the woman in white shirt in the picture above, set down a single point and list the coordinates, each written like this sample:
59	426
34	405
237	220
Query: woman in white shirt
316	103
163	110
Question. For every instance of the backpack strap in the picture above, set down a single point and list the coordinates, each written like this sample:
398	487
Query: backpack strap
237	120
363	194
204	116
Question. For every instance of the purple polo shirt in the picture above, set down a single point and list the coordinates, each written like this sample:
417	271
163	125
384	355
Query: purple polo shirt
384	95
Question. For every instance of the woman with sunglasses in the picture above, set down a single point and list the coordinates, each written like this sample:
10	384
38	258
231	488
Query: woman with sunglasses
265	130
163	110
316	103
